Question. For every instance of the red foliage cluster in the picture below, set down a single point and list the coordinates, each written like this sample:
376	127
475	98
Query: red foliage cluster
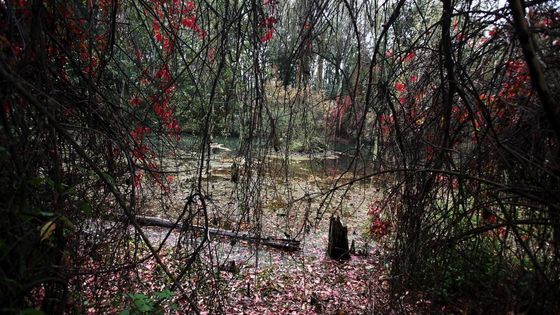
165	113
400	87
409	56
135	101
140	149
139	132
160	103
70	27
518	81
446	180
380	225
267	36
343	103
386	122
164	75
268	24
497	107
379	228
542	19
170	16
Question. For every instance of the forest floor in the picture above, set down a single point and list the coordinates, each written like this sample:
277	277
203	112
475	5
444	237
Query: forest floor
261	280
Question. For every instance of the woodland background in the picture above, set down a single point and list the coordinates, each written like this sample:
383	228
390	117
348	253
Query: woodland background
431	127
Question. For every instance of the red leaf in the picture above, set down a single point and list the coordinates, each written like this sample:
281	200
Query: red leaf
191	6
409	56
135	101
168	45
138	133
201	34
267	36
156	25
163	74
400	87
268	22
189	22
159	38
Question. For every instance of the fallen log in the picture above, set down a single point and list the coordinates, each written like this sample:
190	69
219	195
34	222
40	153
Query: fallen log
278	243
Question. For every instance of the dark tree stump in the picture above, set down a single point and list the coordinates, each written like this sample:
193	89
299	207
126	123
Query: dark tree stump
338	240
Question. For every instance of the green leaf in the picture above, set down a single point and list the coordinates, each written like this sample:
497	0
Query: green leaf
46	214
165	294
137	296
125	312
40	181
141	302
47	230
143	305
86	208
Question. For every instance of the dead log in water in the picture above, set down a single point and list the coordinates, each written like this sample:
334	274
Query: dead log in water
278	243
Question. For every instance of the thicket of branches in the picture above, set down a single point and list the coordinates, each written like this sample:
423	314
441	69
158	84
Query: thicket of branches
477	157
453	104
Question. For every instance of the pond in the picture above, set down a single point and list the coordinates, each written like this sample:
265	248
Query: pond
338	159
290	193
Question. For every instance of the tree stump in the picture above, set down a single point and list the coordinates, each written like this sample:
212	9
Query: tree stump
338	240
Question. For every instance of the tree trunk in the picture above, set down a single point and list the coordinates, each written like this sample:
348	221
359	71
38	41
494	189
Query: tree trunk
278	243
338	240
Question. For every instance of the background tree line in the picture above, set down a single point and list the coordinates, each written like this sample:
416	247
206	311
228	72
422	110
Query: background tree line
452	103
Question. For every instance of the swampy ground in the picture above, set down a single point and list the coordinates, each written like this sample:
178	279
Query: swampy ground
257	279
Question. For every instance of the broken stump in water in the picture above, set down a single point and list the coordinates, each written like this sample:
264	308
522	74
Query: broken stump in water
338	240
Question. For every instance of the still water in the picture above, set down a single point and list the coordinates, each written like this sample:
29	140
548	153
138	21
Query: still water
339	158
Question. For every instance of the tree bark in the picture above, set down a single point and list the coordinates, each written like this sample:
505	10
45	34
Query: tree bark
338	240
278	243
550	106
